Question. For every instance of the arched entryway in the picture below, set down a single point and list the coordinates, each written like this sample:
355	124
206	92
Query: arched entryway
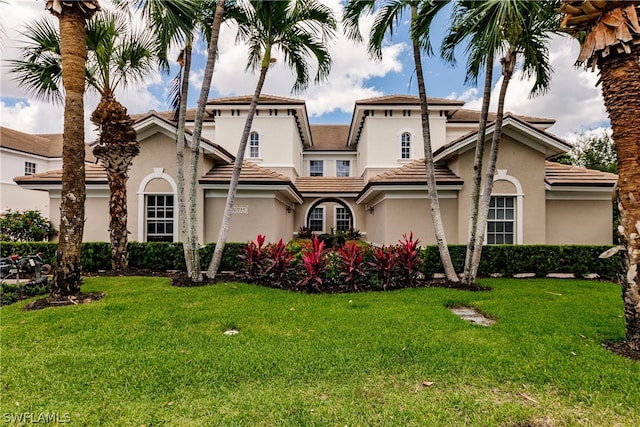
330	214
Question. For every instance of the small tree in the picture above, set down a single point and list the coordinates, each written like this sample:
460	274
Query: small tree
596	151
25	226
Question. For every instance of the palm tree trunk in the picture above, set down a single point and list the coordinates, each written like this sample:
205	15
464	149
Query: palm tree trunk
196	274
436	215
216	258
192	263
467	278
67	278
508	65
620	76
118	146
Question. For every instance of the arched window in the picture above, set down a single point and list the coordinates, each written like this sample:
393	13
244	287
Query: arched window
405	145
254	145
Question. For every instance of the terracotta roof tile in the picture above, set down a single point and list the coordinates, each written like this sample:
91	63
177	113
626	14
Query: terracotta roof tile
557	174
168	115
250	173
95	174
329	184
415	173
42	145
330	138
407	100
246	99
473	116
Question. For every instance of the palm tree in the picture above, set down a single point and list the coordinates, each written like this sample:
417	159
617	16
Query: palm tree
297	30
510	29
175	22
609	34
72	17
388	16
116	58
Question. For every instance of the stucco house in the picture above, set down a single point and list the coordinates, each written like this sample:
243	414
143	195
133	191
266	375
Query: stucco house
368	175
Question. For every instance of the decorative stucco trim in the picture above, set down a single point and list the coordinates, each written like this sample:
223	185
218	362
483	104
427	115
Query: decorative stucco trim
158	173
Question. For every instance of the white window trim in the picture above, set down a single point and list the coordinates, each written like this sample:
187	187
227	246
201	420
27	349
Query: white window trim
158	173
343	160
411	144
519	195
175	210
248	153
324	219
35	167
317	160
335	216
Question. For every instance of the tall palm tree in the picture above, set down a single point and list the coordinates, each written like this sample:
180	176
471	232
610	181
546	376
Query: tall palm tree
297	30
515	30
387	17
609	34
116	58
72	17
176	22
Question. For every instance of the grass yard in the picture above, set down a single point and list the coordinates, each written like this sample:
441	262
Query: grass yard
151	354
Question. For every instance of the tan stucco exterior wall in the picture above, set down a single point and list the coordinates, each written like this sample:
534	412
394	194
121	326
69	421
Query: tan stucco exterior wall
264	215
96	212
579	222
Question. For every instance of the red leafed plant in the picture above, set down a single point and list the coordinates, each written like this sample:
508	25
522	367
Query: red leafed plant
313	261
386	260
409	258
279	259
254	256
351	260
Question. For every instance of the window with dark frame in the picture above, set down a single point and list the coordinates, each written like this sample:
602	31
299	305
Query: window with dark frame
316	219
316	168
160	213
30	168
501	220
343	219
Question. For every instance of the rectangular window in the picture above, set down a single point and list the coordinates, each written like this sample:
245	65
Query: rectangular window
159	218
254	145
316	219
343	167
343	219
501	220
405	146
316	168
30	168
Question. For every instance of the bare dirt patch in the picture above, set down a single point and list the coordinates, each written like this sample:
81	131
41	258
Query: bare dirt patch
472	315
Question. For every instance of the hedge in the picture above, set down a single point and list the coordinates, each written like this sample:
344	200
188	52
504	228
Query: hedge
506	260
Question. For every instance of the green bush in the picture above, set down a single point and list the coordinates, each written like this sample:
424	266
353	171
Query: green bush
25	226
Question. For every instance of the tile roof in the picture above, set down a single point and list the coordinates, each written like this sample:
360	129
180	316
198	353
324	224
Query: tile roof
406	100
557	174
168	115
250	174
329	184
46	145
473	116
415	173
246	99
330	138
95	174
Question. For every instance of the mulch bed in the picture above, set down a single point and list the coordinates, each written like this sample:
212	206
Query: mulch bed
621	349
81	298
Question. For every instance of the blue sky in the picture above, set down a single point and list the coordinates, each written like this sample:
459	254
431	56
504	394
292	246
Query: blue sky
574	100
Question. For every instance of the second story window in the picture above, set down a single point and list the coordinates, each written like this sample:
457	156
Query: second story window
316	168
343	167
254	145
405	146
30	168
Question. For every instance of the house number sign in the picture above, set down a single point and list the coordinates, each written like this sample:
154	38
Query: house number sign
240	210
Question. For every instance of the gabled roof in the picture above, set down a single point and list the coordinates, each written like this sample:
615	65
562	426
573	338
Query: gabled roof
250	174
94	175
330	138
472	116
246	99
46	145
559	175
168	115
552	144
408	100
329	184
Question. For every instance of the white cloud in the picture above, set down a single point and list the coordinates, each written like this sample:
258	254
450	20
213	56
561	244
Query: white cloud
573	99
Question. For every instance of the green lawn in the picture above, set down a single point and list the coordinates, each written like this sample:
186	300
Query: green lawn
151	354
